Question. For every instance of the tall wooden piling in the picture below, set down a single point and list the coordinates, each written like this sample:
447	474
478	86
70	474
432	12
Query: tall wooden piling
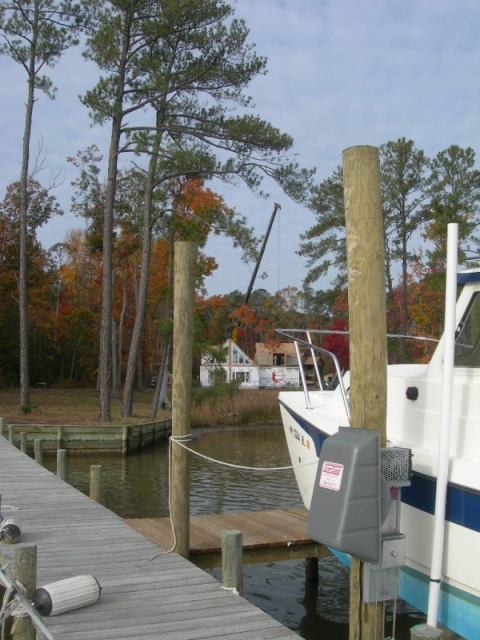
184	291
26	573
367	326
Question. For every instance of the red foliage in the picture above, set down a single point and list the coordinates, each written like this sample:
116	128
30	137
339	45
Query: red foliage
338	343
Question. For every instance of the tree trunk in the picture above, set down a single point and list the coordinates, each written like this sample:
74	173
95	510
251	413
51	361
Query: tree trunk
105	356
144	273
114	359
120	331
160	396
22	276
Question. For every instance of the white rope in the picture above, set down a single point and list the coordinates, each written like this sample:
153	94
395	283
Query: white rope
180	440
237	466
172	528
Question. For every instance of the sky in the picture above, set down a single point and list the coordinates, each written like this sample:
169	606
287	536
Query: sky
340	73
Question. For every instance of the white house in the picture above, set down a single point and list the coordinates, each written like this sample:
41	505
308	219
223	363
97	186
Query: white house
273	366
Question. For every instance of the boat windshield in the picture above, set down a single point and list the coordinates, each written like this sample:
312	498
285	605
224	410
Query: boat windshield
467	337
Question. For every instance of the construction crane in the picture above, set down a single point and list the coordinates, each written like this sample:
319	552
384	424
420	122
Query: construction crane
276	207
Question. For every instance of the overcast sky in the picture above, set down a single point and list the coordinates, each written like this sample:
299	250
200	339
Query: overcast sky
341	73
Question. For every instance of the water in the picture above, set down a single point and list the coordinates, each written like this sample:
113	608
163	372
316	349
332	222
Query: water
137	487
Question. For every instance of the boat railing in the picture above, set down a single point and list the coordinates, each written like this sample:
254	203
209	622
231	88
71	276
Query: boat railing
303	338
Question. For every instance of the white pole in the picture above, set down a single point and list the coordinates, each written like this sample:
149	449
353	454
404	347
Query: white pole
445	417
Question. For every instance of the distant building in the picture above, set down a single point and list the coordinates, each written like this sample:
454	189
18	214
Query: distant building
272	366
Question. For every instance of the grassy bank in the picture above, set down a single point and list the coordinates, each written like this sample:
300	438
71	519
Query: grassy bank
210	407
246	406
71	406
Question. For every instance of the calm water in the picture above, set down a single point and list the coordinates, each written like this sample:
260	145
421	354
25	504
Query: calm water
137	486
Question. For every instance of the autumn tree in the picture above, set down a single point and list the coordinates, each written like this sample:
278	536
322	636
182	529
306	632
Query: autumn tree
35	34
404	191
38	272
78	277
420	197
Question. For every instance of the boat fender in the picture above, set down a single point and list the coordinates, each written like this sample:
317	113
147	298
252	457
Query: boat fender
412	393
10	532
66	595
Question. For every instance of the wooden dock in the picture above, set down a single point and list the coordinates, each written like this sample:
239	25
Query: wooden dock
81	439
141	599
267	536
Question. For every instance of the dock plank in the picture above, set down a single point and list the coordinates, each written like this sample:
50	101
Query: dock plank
141	598
266	535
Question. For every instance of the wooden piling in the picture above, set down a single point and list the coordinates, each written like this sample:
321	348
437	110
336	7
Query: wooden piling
23	442
367	326
2	425
184	290
62	464
38	450
96	482
25	572
232	564
425	632
311	571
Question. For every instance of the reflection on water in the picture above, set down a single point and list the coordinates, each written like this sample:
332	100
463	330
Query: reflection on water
137	486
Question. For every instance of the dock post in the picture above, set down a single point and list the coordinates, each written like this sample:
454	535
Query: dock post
232	563
125	440
62	464
23	442
311	571
38	449
368	335
96	482
25	572
2	425
425	632
185	260
11	433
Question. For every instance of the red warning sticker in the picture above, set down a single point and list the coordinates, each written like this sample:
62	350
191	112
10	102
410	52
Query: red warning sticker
331	476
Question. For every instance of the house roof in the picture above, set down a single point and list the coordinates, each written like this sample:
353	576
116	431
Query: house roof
283	347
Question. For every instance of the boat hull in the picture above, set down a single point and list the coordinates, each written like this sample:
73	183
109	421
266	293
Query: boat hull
459	609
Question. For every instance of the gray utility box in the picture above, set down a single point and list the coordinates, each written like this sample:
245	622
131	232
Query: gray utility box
351	498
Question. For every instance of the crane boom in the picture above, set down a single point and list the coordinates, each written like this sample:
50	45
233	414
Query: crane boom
276	206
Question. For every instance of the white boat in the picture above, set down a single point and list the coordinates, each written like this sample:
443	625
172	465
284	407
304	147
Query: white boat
414	393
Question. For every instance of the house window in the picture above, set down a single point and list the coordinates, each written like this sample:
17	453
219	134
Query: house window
278	359
243	376
237	356
211	376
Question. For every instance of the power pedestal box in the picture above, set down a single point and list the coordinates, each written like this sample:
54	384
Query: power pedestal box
350	499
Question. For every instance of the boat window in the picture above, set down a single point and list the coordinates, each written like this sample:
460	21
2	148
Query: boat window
467	339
